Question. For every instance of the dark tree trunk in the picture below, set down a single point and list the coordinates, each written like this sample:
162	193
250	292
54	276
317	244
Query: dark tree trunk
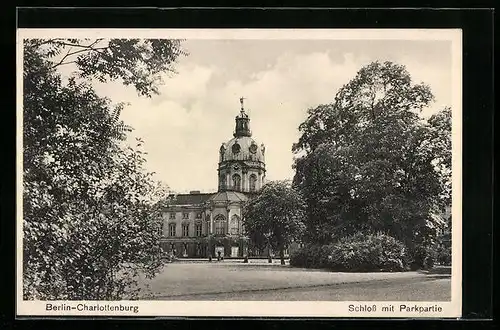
269	258
282	254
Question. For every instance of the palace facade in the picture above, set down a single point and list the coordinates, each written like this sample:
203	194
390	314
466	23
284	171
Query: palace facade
210	224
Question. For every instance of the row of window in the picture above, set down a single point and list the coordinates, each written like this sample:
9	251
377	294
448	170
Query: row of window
220	229
185	215
185	229
237	182
199	250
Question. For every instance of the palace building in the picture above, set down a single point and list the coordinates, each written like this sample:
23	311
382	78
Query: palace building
210	224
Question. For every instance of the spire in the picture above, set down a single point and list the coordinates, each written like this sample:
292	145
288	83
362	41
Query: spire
242	122
242	111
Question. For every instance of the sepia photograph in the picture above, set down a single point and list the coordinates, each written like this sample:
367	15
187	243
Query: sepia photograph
239	172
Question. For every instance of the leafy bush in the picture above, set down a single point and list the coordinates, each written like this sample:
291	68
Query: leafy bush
368	252
423	257
444	255
310	256
356	253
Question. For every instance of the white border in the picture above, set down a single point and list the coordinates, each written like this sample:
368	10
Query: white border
262	308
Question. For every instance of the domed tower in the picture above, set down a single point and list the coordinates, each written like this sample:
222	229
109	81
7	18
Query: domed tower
241	160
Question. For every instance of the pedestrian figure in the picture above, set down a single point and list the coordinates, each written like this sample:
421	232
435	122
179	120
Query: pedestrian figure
218	255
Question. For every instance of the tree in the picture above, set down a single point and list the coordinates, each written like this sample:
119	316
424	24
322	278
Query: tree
277	213
91	213
137	62
440	146
369	159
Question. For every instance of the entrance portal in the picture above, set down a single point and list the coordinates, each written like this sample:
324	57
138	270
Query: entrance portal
234	251
219	249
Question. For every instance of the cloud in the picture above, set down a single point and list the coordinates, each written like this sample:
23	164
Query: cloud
184	126
280	96
437	77
189	84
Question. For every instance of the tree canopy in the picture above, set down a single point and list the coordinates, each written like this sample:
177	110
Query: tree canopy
91	213
137	62
370	161
276	214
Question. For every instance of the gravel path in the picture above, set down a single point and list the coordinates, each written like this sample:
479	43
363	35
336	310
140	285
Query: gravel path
180	280
424	289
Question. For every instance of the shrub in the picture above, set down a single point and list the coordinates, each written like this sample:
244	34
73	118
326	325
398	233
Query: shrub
368	252
298	257
310	256
423	257
356	253
444	255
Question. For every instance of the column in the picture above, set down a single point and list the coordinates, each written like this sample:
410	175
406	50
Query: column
240	222
164	227
209	234
244	181
228	213
209	226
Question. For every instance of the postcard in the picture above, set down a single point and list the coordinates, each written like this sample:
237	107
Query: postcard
239	172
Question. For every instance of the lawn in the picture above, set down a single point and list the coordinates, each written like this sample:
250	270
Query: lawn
237	281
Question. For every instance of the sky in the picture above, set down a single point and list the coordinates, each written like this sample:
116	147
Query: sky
184	126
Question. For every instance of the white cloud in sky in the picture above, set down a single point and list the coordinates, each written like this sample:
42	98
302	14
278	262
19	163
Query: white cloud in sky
185	125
